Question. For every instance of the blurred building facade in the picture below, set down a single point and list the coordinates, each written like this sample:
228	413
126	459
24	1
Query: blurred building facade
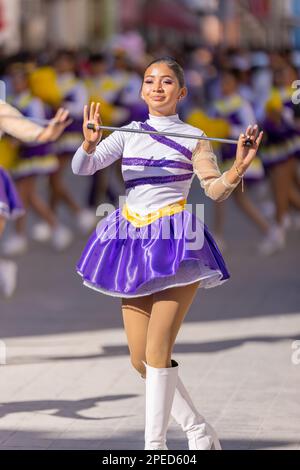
36	24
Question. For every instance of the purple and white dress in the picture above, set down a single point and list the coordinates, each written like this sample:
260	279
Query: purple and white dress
153	242
10	204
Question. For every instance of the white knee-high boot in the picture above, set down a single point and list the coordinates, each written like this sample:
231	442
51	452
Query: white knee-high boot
200	434
160	389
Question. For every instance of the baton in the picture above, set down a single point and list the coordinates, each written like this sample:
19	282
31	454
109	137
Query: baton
92	126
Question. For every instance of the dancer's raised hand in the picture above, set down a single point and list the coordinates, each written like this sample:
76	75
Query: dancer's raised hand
55	127
244	154
91	136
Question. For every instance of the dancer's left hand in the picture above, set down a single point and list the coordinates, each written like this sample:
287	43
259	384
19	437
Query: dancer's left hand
55	127
245	155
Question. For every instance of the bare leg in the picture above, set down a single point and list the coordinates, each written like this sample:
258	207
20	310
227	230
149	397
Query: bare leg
219	219
294	197
169	309
40	207
280	181
23	187
2	224
294	170
136	314
152	324
59	192
293	187
8	270
249	209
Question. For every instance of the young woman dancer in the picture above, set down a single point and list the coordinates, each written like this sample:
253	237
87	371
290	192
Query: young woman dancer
157	276
13	123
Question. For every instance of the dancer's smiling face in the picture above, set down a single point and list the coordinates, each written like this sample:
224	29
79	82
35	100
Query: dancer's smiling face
161	90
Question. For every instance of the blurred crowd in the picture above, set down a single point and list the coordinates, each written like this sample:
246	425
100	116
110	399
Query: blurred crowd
227	91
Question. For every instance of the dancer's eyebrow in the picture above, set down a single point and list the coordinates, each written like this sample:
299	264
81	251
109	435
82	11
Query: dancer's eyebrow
162	76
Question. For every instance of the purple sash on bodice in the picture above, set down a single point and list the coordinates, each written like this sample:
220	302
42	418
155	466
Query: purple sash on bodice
161	163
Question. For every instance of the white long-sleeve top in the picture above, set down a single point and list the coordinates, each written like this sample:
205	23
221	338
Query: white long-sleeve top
157	170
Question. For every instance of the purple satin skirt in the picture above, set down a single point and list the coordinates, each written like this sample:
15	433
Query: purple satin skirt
10	203
122	260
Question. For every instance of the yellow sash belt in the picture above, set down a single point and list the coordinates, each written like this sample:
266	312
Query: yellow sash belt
141	220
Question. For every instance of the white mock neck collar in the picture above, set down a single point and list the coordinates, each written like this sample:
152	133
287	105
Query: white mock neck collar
156	120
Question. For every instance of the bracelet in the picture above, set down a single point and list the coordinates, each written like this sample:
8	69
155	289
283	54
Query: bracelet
236	168
240	176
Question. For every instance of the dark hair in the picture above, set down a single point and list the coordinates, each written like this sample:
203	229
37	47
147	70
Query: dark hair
66	54
98	57
233	72
173	65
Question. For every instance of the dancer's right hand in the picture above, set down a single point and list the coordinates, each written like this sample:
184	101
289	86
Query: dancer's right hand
91	137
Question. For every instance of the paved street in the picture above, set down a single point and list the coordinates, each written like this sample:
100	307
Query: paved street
68	382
